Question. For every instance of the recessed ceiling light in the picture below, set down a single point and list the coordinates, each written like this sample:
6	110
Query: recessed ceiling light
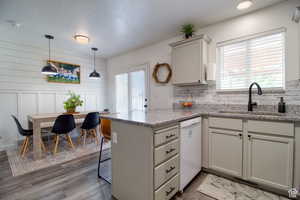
82	39
244	4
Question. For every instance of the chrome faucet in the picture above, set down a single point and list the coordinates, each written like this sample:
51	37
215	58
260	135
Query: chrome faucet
259	92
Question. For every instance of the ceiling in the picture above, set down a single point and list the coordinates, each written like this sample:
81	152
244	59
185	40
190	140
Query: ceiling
115	26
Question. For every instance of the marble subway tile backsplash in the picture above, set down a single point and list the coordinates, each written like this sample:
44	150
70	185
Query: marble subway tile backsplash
207	95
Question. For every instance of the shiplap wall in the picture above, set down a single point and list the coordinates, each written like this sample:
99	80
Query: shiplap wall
24	90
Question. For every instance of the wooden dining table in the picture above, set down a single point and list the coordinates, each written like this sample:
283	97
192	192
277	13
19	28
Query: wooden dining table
39	121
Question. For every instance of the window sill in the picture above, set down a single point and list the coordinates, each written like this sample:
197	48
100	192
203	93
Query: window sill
246	91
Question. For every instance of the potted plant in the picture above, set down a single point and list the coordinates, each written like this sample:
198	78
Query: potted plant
72	102
188	30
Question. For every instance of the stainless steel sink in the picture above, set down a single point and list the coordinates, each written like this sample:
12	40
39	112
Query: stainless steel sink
252	113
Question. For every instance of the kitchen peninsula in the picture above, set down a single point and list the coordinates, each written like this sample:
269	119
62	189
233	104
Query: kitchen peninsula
146	149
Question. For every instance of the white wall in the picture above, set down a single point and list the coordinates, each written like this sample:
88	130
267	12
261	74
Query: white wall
24	90
263	20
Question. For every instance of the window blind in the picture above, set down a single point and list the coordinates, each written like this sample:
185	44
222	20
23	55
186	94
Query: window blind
259	59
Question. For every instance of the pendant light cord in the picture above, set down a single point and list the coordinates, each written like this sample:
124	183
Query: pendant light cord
94	60
49	50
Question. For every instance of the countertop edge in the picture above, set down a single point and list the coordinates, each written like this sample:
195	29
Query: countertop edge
207	114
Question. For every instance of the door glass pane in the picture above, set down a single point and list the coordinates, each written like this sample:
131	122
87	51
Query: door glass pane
137	90
121	81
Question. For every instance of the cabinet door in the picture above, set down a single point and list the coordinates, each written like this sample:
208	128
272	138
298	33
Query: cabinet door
270	160
226	151
186	63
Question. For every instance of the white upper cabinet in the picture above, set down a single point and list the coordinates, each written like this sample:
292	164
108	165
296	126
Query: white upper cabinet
190	60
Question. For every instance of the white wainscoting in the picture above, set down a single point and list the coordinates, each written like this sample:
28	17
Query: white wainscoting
21	104
24	90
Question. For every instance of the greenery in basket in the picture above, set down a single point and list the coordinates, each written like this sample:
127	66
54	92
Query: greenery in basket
188	30
72	102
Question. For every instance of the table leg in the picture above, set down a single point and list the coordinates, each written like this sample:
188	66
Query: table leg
84	136
29	124
37	150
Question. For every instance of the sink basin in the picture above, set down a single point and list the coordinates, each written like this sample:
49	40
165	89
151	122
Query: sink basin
252	113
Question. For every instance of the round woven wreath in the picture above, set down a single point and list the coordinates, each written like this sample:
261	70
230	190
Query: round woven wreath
156	71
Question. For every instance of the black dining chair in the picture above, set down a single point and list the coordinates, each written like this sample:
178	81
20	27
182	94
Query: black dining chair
27	133
89	127
63	125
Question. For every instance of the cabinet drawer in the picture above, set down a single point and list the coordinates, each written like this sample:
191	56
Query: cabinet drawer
166	151
168	190
166	135
165	171
226	123
275	128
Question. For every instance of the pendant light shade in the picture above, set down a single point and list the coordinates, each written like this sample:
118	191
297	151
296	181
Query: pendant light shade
49	69
94	74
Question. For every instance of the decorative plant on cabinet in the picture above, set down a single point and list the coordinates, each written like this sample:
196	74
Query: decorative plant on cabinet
72	103
188	30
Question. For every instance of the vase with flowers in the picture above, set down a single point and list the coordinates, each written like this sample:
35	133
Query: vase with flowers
72	102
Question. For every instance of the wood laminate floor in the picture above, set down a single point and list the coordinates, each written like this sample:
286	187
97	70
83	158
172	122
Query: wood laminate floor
74	180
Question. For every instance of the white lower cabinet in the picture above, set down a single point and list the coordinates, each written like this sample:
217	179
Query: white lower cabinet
226	151
262	156
270	160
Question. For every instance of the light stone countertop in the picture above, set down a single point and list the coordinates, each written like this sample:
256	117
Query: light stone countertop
156	118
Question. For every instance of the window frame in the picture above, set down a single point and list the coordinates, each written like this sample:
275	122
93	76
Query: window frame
245	38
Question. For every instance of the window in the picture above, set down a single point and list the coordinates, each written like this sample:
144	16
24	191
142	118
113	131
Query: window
259	58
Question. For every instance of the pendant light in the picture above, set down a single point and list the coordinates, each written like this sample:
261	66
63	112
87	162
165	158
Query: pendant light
94	74
49	69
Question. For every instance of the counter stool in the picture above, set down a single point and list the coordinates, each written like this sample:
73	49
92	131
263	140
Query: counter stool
63	125
106	137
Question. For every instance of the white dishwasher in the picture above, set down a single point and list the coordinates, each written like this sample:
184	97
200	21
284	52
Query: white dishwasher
190	150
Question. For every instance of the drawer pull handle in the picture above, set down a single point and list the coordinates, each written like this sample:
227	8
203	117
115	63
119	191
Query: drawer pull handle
170	136
170	169
170	191
170	150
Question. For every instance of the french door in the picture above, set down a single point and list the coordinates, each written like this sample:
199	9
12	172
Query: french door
131	89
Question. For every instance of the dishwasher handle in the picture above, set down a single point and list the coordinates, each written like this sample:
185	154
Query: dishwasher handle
190	122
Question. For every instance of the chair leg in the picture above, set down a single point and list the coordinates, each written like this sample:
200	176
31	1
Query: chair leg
56	144
80	137
96	137
100	155
25	147
70	141
84	136
43	146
